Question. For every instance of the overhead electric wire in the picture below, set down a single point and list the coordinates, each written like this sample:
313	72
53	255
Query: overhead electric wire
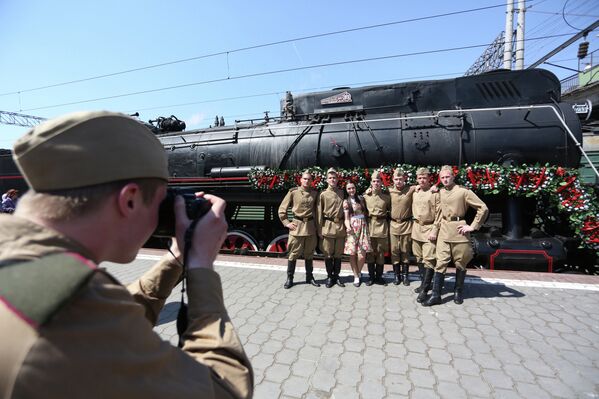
251	75
297	39
549	25
539	48
569	14
401	79
564	16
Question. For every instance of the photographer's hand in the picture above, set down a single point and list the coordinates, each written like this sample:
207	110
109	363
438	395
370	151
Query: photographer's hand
209	234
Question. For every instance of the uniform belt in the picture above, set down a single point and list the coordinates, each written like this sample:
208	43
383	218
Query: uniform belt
406	219
336	220
423	223
306	219
378	217
454	218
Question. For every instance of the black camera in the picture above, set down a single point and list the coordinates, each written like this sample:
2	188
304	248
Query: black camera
194	206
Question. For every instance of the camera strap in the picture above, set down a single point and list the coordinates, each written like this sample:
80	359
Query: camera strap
182	315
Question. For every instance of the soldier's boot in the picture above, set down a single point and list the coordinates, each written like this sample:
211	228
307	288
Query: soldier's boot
405	271
458	294
435	298
371	274
328	264
379	275
309	276
421	274
337	264
426	284
290	273
397	272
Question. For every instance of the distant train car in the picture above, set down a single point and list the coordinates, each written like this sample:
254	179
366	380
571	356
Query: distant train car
10	177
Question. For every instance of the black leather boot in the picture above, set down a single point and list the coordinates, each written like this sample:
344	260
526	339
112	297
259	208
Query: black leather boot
397	271
379	275
337	268
458	292
421	274
435	298
371	274
290	272
328	264
405	270
309	276
425	285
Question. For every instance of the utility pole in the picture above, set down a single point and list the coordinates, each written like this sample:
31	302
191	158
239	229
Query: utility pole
13	118
520	35
509	32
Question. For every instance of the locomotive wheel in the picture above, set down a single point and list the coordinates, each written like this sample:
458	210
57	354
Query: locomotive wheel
239	241
278	244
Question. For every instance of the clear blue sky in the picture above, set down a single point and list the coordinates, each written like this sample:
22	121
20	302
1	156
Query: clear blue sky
50	42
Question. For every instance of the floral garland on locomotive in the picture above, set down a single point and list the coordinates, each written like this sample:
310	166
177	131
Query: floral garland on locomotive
560	186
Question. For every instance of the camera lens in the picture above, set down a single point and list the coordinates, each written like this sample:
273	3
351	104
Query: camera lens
195	208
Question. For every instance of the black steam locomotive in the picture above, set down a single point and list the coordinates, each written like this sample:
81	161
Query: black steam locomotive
504	117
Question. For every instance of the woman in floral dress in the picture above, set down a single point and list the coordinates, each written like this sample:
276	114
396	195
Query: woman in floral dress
357	242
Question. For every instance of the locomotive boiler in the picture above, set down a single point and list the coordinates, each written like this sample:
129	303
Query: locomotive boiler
496	117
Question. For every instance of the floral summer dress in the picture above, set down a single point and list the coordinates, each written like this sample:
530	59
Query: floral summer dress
359	240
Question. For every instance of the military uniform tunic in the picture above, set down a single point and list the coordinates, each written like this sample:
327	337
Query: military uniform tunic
451	245
302	241
401	223
425	207
330	222
100	343
378	205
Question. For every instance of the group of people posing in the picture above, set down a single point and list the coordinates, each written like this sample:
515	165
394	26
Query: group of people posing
422	219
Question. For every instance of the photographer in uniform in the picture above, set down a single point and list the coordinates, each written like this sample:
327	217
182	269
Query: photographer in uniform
302	229
68	328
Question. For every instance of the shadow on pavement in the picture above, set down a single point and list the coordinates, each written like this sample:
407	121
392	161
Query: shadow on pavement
479	289
168	313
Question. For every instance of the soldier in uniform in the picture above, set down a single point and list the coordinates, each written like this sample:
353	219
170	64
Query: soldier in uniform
331	228
453	243
378	205
425	206
302	229
401	226
69	329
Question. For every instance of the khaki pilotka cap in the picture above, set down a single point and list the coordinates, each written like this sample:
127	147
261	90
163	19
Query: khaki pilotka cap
88	148
399	173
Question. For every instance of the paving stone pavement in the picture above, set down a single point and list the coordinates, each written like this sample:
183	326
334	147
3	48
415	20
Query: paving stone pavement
505	341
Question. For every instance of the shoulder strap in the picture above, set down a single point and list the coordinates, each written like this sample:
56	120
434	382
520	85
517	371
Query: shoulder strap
36	290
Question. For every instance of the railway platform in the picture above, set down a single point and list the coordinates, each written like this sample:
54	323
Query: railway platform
517	335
